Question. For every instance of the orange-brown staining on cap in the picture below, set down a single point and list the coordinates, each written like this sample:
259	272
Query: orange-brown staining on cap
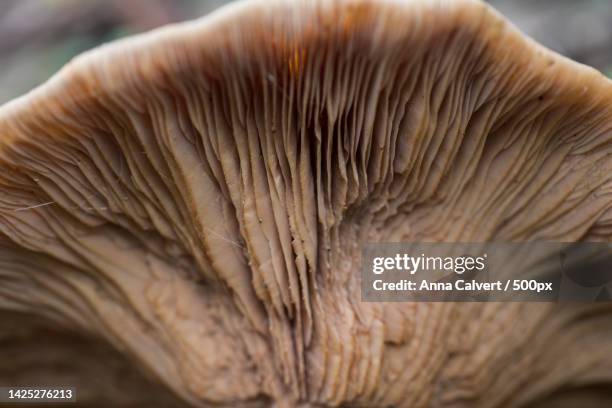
198	198
296	62
360	14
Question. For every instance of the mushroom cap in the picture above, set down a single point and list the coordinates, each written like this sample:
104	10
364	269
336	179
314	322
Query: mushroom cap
198	196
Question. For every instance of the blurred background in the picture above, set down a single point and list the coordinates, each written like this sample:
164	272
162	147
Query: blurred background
37	37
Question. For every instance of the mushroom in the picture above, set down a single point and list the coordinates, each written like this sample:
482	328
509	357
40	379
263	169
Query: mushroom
197	197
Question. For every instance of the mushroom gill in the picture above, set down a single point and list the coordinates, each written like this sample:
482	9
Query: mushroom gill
198	196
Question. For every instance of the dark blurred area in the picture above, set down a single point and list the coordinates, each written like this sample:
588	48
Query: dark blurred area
578	29
37	37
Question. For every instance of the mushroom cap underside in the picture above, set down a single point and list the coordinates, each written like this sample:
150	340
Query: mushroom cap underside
198	196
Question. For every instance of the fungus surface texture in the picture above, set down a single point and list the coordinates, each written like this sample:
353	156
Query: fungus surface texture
192	202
